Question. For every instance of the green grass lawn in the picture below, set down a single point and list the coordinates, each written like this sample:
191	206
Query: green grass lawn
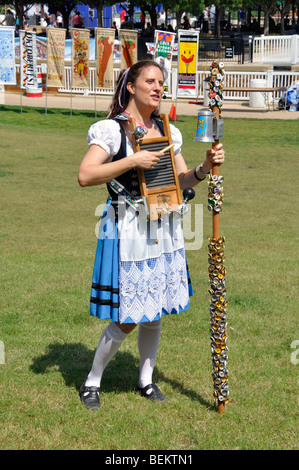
47	251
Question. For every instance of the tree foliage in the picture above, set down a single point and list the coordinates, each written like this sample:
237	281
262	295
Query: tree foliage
193	7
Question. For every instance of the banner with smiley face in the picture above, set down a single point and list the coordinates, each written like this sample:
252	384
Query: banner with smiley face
187	63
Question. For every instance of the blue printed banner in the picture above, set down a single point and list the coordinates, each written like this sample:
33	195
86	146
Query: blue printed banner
7	56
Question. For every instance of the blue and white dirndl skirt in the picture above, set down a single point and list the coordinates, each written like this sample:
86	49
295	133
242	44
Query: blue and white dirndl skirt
140	270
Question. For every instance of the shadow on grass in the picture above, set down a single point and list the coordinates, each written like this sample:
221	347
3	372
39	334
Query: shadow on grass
52	111
74	360
14	109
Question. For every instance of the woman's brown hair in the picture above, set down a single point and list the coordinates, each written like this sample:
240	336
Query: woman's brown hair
121	96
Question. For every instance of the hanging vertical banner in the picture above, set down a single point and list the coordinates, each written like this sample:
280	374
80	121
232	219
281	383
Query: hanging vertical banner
28	60
128	47
164	41
55	63
187	63
80	58
104	57
7	56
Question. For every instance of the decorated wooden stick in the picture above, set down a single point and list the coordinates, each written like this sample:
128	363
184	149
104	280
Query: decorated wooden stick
217	289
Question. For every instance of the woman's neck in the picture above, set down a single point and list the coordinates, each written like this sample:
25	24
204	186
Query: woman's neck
142	114
143	119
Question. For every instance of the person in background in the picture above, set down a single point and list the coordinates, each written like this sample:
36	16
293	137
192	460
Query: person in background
78	20
123	15
9	18
71	17
114	26
59	20
142	19
148	31
186	23
127	24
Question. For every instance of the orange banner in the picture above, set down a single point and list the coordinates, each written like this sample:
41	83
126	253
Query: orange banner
128	47
104	57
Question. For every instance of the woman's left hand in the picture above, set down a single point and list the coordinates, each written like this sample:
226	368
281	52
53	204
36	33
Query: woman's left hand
214	156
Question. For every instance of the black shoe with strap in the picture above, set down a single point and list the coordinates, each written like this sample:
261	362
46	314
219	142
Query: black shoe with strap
151	392
90	397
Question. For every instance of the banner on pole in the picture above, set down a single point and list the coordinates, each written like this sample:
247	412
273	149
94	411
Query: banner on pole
187	63
7	56
80	58
128	47
28	60
55	63
164	41
104	57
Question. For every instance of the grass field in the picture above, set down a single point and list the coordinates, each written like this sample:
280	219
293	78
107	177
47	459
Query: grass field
47	252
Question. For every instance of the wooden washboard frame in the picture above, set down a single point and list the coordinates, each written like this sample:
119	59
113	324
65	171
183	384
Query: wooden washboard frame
159	186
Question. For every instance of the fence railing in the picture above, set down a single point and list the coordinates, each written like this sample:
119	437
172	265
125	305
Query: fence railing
236	79
276	49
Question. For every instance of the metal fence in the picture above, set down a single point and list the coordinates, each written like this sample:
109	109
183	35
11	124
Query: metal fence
230	48
225	49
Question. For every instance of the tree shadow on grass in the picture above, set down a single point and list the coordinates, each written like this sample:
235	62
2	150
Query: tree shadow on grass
13	109
74	360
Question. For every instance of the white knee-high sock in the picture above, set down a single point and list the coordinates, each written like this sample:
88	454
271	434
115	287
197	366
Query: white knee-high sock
109	343
148	342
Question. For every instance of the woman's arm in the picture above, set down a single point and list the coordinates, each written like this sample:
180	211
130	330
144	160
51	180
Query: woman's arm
95	168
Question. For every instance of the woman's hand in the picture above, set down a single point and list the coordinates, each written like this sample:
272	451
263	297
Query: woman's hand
145	159
214	156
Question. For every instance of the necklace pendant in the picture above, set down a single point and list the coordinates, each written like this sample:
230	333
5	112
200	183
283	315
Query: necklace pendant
139	133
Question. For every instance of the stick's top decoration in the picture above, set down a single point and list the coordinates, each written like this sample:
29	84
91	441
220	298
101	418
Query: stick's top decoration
216	85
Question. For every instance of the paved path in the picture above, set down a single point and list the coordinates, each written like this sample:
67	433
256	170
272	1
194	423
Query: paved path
183	107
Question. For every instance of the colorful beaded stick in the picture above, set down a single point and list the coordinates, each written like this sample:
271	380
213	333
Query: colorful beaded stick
217	270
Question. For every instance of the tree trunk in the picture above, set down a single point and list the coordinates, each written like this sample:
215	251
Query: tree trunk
217	22
282	12
100	14
20	13
267	13
249	17
131	14
178	16
152	12
266	22
259	17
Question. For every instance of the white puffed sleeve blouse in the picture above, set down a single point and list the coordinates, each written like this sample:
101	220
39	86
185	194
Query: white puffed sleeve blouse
107	135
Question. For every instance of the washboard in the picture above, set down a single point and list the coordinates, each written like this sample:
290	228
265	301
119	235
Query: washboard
159	186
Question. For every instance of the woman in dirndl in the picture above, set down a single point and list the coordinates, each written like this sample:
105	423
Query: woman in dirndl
140	271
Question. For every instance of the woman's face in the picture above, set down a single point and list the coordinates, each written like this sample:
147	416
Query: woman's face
148	88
